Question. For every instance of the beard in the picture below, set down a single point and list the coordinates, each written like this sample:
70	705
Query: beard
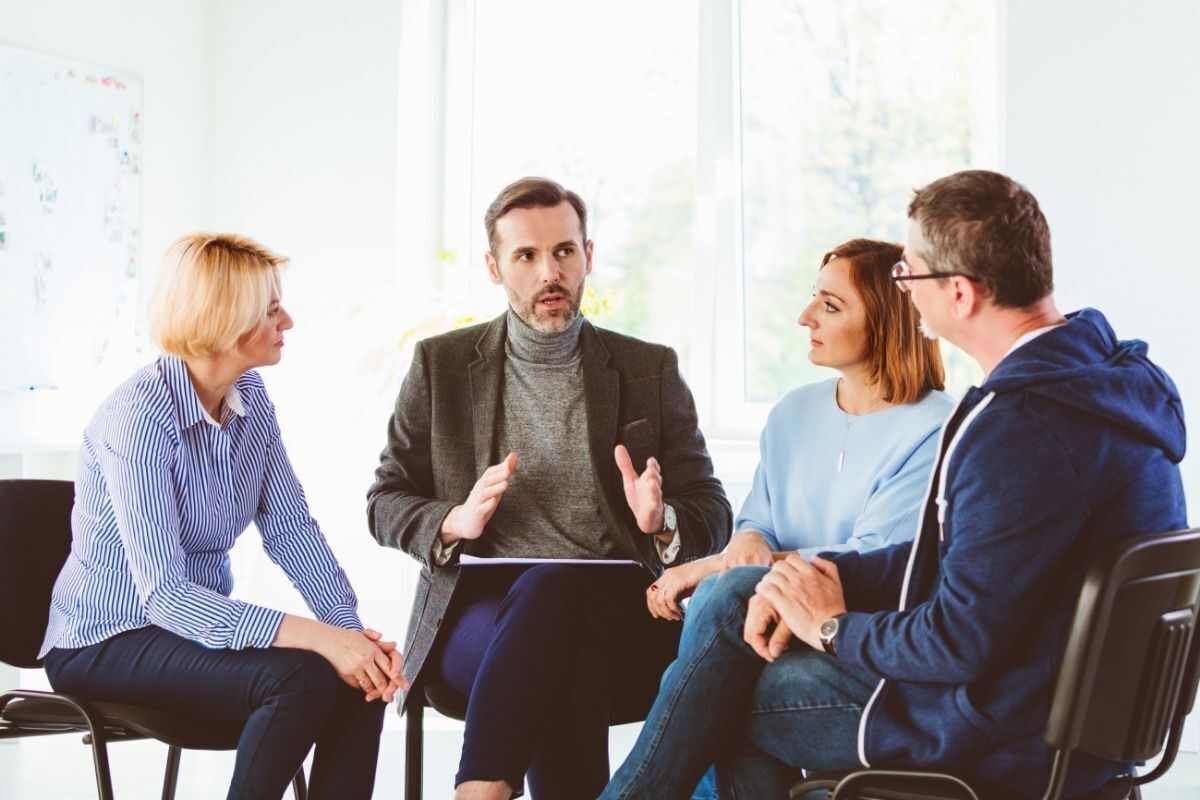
548	320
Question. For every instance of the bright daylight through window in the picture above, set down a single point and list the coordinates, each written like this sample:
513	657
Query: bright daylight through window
832	112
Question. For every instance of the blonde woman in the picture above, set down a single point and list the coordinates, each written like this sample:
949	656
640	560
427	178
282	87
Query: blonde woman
174	466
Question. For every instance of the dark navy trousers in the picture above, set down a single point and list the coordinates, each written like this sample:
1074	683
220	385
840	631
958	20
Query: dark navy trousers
289	699
548	655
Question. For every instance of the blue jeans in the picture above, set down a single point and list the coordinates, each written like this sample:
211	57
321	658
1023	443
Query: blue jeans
290	700
760	723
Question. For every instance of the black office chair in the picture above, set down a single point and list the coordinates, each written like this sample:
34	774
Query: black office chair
35	537
440	698
1127	681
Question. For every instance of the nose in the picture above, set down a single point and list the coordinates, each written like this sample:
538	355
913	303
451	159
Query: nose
548	269
286	323
806	317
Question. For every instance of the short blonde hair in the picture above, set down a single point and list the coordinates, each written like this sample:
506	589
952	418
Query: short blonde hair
212	289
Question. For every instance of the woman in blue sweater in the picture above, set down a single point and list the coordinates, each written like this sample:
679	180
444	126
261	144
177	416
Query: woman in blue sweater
842	463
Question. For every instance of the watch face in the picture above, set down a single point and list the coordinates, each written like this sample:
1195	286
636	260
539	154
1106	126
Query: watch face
829	628
668	518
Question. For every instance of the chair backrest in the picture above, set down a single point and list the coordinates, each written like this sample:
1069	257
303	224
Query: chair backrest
1131	663
35	537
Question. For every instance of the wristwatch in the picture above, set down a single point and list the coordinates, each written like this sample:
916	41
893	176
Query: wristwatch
828	633
670	523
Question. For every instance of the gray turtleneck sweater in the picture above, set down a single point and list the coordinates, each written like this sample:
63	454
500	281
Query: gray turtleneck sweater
551	508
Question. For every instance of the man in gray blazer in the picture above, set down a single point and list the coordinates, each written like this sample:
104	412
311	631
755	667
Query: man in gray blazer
540	435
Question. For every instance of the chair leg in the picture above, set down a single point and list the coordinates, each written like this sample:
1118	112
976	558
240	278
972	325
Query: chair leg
100	761
171	775
413	747
299	787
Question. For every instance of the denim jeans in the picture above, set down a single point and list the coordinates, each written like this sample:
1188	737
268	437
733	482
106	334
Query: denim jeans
289	699
760	723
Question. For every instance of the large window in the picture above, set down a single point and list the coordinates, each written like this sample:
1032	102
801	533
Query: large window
722	148
602	98
846	108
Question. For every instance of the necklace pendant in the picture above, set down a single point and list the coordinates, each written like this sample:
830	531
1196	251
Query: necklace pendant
841	460
846	426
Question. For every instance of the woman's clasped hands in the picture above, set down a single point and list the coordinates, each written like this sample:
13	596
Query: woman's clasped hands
367	662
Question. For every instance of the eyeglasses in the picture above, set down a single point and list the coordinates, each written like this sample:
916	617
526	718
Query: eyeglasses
902	273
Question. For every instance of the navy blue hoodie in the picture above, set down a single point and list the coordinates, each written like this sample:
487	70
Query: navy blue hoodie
1073	441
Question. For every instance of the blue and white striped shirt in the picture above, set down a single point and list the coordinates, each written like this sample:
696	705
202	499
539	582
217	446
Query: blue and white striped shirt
161	495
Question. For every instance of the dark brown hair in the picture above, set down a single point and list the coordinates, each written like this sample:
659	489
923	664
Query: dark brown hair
532	193
990	228
905	363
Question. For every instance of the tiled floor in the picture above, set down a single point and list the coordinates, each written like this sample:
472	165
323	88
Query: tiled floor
59	768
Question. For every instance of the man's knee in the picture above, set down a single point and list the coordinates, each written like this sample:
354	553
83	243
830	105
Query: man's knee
546	587
736	585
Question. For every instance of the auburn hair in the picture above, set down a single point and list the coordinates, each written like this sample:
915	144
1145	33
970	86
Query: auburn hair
901	359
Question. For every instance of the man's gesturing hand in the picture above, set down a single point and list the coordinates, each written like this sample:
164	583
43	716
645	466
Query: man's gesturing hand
643	492
468	520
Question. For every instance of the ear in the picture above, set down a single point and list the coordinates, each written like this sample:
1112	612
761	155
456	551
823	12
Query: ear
492	267
968	297
587	250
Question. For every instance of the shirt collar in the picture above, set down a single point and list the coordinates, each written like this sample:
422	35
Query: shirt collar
233	402
190	410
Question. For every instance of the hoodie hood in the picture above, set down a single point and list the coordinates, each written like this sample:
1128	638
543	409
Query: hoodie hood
1083	366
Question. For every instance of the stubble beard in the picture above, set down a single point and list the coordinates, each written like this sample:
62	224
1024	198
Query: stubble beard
549	321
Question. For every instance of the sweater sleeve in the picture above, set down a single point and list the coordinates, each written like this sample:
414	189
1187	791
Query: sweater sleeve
756	508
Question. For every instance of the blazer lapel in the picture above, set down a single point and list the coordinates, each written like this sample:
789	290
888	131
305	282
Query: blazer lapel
602	394
486	374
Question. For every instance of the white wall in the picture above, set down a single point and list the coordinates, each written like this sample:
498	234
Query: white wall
1103	117
305	134
170	45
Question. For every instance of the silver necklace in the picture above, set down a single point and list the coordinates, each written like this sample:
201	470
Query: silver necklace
847	422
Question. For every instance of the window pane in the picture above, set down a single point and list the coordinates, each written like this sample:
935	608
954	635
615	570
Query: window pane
846	108
602	98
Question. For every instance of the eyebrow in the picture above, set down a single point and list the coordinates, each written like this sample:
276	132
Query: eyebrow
517	251
831	294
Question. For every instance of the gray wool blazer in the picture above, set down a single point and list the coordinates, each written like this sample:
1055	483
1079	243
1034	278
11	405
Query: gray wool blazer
442	436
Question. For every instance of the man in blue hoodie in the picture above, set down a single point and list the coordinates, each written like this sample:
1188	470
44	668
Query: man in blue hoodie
942	652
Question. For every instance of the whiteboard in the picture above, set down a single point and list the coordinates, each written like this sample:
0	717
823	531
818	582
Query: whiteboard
70	220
